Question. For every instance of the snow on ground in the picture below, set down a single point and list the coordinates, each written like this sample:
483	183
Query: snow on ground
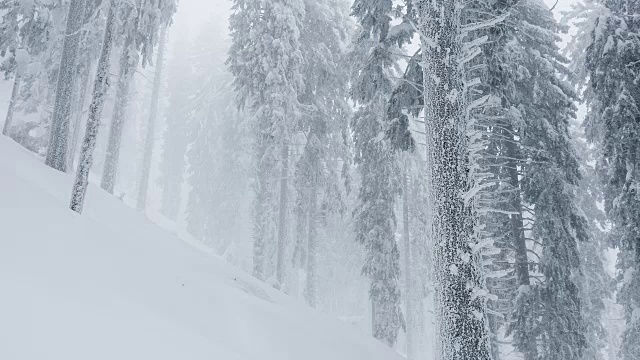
112	285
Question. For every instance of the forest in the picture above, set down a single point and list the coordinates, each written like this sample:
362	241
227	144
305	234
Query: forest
458	179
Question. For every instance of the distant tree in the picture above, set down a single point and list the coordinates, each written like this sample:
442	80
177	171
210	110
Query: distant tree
141	30
324	33
179	117
266	62
376	159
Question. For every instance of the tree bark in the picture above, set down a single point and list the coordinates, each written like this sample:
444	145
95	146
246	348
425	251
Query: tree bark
461	315
150	137
12	105
59	132
95	112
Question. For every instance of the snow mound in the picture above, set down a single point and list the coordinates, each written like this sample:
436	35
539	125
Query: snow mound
112	285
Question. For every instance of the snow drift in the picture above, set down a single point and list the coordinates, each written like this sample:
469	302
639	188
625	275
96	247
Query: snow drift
112	285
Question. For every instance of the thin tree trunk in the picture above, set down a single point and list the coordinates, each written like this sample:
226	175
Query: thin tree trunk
409	316
95	112
128	66
282	222
461	314
12	104
153	114
59	132
517	227
262	208
77	121
312	246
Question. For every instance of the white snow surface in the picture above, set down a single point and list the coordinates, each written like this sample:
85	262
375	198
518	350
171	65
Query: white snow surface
110	284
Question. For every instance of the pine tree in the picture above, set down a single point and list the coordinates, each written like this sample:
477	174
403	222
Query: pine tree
100	88
460	305
151	125
325	30
25	34
89	53
179	117
59	132
266	62
376	160
612	125
218	165
142	24
531	139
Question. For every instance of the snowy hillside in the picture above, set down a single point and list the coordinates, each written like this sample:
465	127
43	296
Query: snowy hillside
111	285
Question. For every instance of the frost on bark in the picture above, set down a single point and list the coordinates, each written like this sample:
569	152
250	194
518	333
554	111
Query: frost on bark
460	307
100	88
266	61
59	132
150	136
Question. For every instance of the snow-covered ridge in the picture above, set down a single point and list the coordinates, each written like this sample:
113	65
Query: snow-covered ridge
109	284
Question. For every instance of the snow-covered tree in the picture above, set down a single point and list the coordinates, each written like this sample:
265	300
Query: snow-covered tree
612	125
27	32
142	24
179	118
376	49
100	88
324	32
90	46
266	62
540	172
218	162
59	131
451	182
151	124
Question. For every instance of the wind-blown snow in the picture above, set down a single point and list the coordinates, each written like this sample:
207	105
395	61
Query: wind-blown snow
109	284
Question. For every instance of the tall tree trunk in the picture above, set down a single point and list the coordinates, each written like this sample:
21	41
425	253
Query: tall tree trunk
149	141
460	311
95	112
12	104
517	228
409	297
59	132
77	120
282	221
262	206
312	246
128	64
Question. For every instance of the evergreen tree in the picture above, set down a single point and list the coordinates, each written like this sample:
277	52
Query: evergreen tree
266	62
100	88
376	160
142	24
59	132
218	163
324	32
531	137
179	117
612	124
451	218
151	125
27	32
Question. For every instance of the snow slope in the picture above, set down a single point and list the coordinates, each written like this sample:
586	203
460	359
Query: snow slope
111	285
